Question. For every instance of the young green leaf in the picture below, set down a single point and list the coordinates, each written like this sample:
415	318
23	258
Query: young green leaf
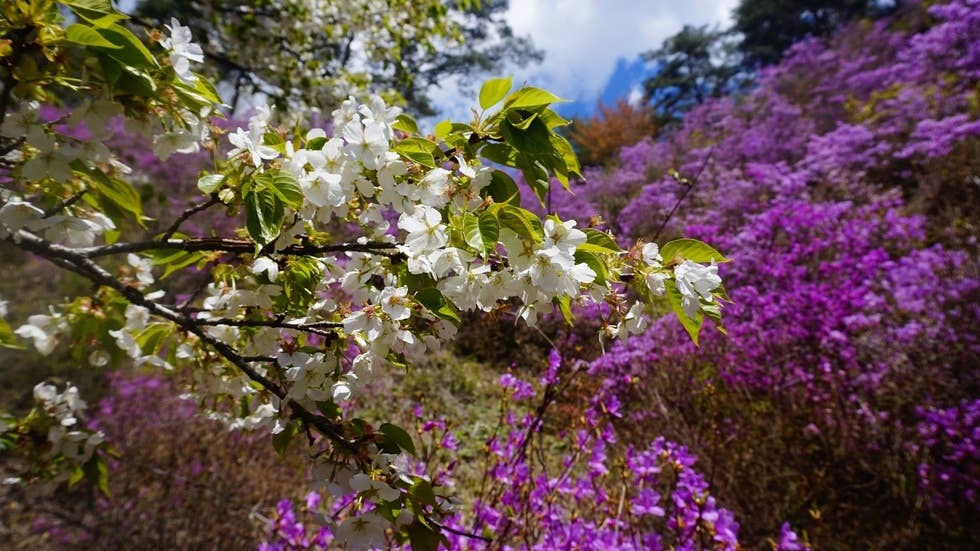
418	150
679	250
481	232
522	222
87	36
210	183
263	215
531	98
399	436
503	189
433	301
493	91
692	326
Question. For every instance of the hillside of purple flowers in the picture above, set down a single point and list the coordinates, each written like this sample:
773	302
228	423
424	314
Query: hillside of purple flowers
846	186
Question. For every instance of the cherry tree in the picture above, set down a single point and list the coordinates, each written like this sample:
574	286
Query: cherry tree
361	245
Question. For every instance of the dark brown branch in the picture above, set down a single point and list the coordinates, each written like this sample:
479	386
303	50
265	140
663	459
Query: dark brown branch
190	211
238	246
458	532
312	328
75	262
63	204
279	322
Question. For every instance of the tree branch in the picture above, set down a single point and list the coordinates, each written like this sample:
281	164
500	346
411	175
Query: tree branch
78	263
239	246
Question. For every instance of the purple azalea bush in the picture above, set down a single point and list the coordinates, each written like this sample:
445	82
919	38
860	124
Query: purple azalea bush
844	188
599	494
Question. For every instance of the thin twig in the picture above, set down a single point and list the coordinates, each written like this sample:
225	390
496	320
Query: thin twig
190	211
452	530
63	204
687	190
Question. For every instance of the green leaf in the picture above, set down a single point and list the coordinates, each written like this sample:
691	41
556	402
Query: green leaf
330	409
97	472
531	98
593	261
443	128
493	91
281	439
535	175
283	184
421	490
7	338
263	215
95	6
503	189
99	19
481	232
553	120
601	240
564	303
206	88
522	222
433	301
192	97
87	36
679	250
77	475
500	153
116	197
566	158
692	326
173	261
419	150
153	337
316	144
210	183
406	124
134	82
423	538
534	139
133	51
111	69
399	436
521	119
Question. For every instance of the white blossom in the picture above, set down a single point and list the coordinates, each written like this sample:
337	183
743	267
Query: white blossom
693	281
182	50
426	232
43	330
366	531
267	265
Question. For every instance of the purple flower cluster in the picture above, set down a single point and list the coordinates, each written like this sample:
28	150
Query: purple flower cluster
287	531
599	494
950	438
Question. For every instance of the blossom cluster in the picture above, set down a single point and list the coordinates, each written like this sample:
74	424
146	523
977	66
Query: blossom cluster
65	434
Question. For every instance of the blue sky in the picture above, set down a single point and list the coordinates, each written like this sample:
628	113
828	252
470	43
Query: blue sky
592	46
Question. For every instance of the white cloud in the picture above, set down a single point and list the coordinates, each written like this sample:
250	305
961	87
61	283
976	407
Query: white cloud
582	39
